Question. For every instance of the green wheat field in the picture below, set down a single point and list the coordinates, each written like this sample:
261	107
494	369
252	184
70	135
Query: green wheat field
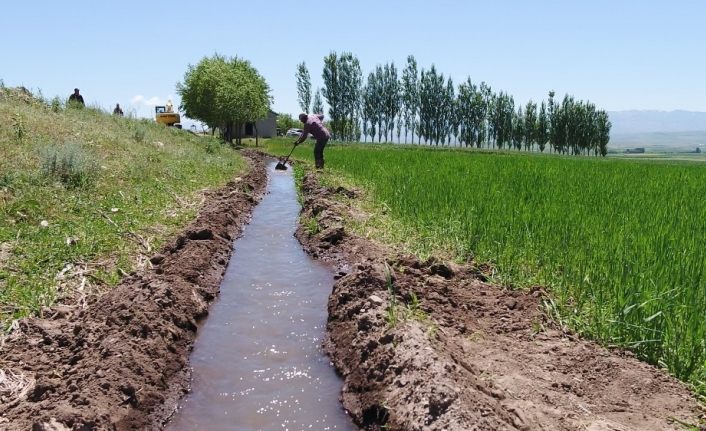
618	243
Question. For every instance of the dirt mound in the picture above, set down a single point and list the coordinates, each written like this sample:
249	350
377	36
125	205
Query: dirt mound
121	362
430	346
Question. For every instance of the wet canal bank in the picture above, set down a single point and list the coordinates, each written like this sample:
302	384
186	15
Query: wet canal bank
257	362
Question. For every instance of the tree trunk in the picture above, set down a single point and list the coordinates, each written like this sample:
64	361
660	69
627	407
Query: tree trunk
228	132
238	133
257	134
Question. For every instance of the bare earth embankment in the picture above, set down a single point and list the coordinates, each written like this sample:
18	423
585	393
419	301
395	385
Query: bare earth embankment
465	354
121	363
421	345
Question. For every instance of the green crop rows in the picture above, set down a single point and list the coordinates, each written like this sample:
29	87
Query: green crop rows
619	243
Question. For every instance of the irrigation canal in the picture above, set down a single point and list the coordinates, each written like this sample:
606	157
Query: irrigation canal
257	362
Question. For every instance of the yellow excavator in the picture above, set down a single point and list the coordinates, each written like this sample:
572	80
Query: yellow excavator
166	115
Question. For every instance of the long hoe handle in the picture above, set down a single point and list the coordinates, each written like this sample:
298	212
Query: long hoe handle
290	153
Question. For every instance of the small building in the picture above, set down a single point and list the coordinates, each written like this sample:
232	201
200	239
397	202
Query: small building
265	128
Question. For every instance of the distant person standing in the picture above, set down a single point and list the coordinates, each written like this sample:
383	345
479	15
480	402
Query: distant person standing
76	98
313	124
117	111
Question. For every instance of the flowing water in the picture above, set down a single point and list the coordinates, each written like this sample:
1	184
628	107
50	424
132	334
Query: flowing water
257	362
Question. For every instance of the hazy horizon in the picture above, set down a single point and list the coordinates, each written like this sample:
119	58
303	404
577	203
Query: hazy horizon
619	55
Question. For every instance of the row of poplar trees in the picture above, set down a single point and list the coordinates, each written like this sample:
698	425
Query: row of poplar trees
428	107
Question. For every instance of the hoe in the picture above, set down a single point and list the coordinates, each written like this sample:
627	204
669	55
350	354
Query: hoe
282	165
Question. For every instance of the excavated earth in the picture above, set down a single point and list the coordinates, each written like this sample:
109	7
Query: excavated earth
462	355
121	363
465	354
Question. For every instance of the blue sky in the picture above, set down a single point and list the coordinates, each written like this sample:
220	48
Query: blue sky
618	54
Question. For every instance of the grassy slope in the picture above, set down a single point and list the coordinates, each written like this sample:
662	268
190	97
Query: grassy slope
139	183
619	242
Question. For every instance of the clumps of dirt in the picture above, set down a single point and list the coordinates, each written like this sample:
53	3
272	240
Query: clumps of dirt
121	363
432	346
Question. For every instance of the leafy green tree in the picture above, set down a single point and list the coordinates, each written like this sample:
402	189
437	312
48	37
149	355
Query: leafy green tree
553	123
431	103
332	92
604	126
530	123
449	126
429	106
564	122
518	129
343	90
225	93
410	96
399	119
464	108
318	105
390	98
351	82
542	131
488	99
286	122
576	127
371	113
494	119
303	87
502	119
379	88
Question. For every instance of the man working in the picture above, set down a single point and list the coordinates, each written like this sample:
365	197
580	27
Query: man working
313	124
76	98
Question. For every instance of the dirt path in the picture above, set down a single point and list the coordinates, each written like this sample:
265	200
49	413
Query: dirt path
120	364
469	355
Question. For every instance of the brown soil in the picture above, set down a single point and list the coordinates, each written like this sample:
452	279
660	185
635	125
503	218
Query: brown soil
120	363
470	355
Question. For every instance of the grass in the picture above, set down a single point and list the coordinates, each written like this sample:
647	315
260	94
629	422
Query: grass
618	242
311	225
397	312
86	197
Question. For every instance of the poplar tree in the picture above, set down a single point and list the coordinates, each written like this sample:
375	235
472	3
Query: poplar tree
303	86
431	95
410	96
530	124
390	98
342	89
604	126
518	129
371	106
542	127
332	92
318	105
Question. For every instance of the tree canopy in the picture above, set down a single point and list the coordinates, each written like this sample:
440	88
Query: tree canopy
303	87
428	105
224	93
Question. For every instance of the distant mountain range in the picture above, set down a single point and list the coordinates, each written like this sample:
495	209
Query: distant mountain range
655	129
625	122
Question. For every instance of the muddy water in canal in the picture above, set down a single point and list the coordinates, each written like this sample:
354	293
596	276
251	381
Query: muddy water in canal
257	363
